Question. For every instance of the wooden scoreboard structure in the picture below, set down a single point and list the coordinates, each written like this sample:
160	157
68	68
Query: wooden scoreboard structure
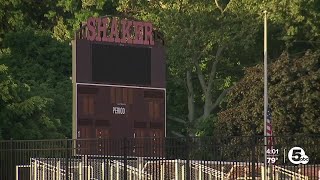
118	80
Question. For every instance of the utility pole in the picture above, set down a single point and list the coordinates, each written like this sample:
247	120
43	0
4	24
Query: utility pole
265	94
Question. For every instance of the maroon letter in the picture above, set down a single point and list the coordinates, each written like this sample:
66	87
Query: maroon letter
114	34
148	38
91	30
138	39
126	27
102	28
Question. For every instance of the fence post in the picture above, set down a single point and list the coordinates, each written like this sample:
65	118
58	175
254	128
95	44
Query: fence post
67	160
89	172
222	170
253	145
262	173
43	170
80	171
216	174
200	172
17	173
111	171
188	159
140	166
276	174
102	171
162	171
11	164
58	170
176	170
35	169
182	172
117	171
245	173
125	158
130	174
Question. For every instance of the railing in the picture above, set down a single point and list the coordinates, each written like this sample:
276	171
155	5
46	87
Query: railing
41	170
293	175
226	158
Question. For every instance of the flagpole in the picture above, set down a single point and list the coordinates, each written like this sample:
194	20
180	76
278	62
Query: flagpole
265	93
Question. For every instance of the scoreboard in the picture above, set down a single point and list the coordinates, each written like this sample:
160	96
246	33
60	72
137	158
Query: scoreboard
130	65
118	86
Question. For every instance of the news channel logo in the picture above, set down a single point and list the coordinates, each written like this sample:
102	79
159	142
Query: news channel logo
297	155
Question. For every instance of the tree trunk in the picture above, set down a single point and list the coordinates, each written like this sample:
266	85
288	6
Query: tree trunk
190	97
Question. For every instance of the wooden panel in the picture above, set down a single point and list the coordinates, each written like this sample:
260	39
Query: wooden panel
102	123
156	125
141	117
140	124
84	145
86	103
156	111
125	95
113	95
140	142
118	95
130	96
90	105
103	135
151	110
157	143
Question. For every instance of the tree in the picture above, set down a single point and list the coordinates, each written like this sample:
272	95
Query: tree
23	116
40	61
202	41
69	15
293	95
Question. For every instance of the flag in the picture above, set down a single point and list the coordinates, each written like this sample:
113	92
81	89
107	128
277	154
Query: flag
269	130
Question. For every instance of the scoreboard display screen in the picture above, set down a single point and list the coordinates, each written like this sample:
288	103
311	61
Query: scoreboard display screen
121	64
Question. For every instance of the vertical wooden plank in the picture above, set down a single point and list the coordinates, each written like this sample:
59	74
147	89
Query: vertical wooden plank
113	95
89	172
111	172
80	170
156	110
17	173
117	171
182	172
35	169
125	95
222	177
43	172
102	171
151	112
200	173
176	170
58	170
161	172
130	94
118	95
91	105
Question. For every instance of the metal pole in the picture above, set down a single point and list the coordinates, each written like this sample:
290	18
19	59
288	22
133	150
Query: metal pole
265	91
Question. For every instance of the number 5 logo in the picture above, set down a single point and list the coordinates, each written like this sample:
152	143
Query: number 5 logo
297	155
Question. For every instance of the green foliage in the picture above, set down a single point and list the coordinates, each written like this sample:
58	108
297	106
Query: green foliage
43	108
44	64
23	116
194	31
35	62
294	94
68	15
